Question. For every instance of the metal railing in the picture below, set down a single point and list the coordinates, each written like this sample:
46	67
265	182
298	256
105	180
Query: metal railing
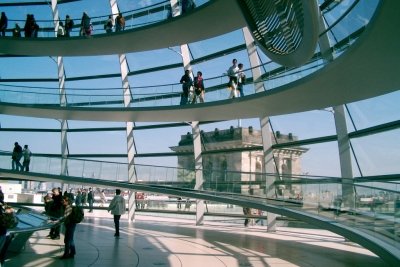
373	204
134	19
169	94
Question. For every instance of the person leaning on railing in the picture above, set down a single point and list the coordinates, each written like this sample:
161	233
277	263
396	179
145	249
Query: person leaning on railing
16	31
69	24
199	89
241	80
31	28
86	29
16	157
108	25
119	23
3	23
233	78
60	30
187	82
187	5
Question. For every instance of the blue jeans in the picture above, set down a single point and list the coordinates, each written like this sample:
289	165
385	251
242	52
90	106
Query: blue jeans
184	98
69	239
240	88
16	165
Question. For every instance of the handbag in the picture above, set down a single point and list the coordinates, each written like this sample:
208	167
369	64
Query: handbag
197	91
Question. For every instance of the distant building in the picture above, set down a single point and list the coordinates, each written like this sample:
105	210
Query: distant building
224	162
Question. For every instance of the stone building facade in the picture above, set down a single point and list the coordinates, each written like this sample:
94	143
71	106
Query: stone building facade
227	167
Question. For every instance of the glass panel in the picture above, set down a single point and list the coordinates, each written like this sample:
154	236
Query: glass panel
216	44
378	153
321	160
89	143
159	140
140	60
306	125
375	111
164	161
358	17
28	68
109	92
38	142
93	65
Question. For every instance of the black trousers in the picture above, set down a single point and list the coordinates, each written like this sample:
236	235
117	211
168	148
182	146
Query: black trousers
116	223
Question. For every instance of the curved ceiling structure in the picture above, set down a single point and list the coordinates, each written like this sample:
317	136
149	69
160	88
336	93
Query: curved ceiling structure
288	39
368	68
387	252
172	32
287	31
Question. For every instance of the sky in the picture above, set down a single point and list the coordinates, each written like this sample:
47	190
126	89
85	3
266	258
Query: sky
376	154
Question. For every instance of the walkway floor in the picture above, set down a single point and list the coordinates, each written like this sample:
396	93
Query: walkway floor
156	241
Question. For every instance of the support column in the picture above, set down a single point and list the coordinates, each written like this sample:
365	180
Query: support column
185	54
114	9
265	130
176	11
348	192
198	161
131	149
200	205
254	60
268	168
63	97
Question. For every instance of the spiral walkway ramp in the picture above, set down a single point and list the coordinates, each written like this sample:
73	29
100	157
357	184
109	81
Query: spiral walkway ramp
364	69
366	64
167	33
371	241
287	31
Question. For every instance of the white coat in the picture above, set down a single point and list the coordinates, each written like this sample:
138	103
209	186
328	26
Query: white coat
117	205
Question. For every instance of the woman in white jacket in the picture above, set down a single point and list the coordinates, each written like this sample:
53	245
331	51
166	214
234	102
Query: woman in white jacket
117	208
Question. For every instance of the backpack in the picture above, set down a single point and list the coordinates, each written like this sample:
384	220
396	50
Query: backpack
8	219
108	25
77	214
243	79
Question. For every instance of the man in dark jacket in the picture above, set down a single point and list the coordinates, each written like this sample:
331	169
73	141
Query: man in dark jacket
16	157
186	82
90	198
56	211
